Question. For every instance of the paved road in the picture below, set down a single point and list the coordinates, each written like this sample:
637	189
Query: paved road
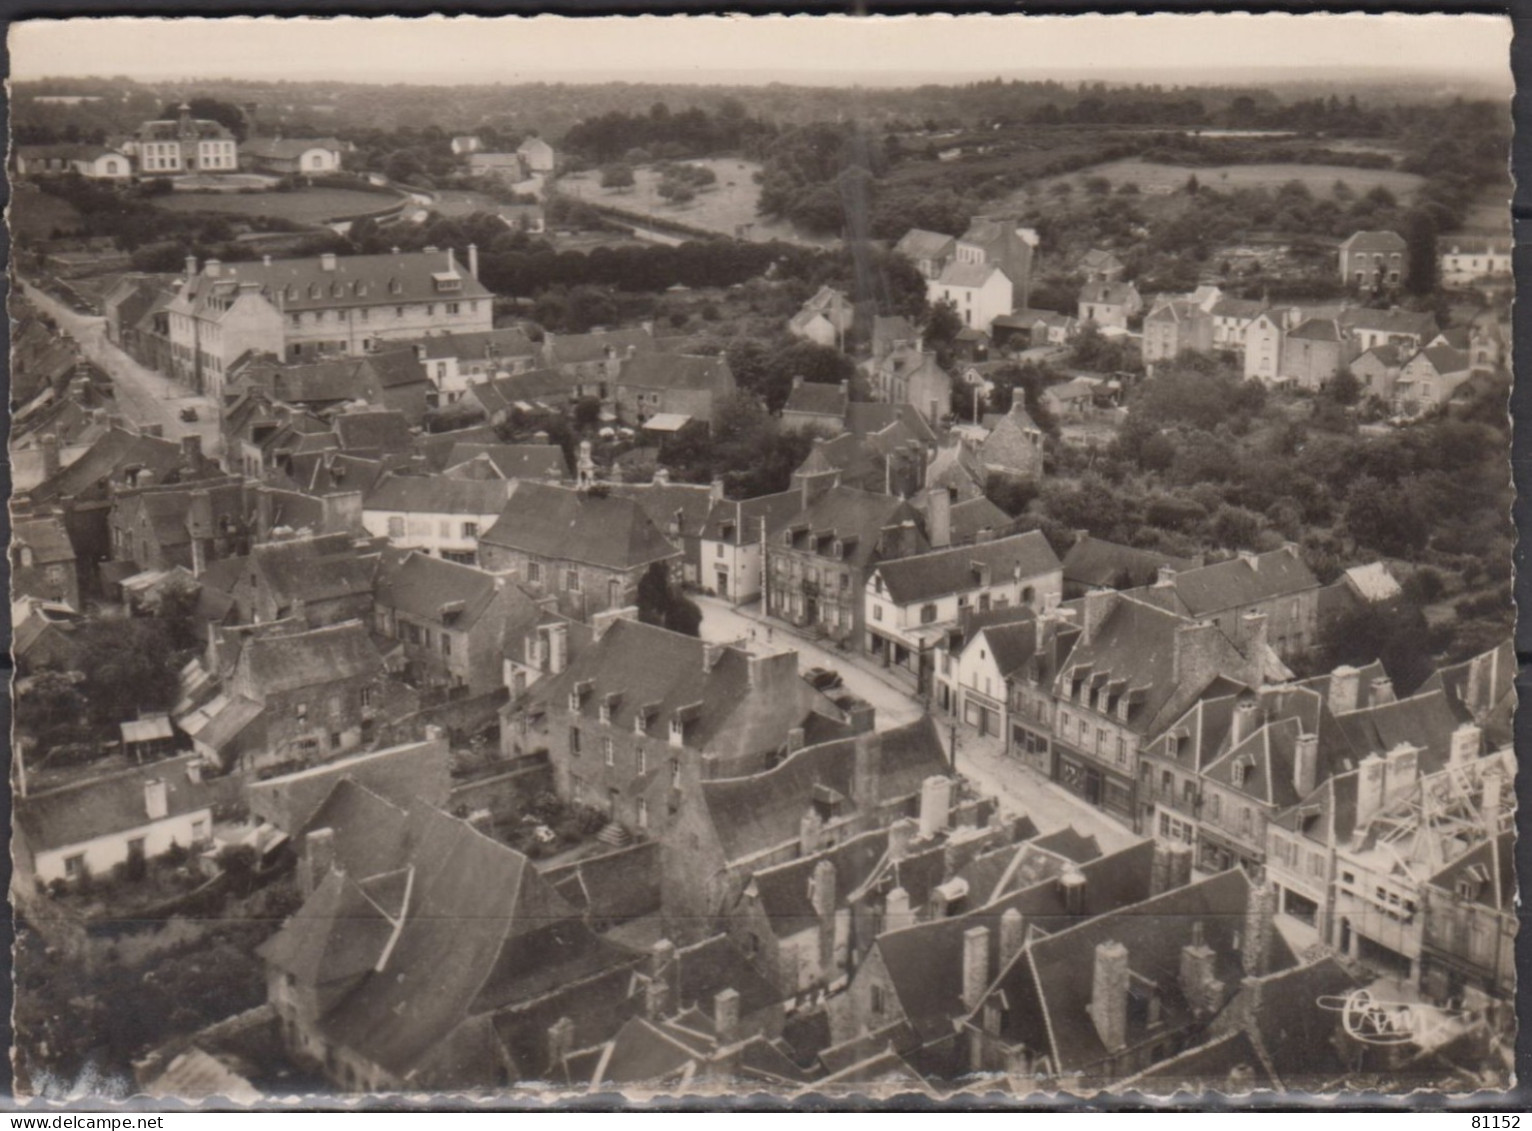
1019	788
143	396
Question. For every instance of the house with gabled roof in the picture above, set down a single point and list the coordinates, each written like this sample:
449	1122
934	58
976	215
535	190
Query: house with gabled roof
1108	306
391	975
823	319
929	977
913	601
450	619
928	251
816	405
650	384
1088	1005
1314	351
1014	446
1371	261
912	377
317	580
182	524
1428	380
728	829
1098	265
732	542
1408	329
1094	563
588	548
978	290
506	461
310	156
592	361
642	715
1468	937
1174	327
442	515
819	561
43	562
1482	690
1277	585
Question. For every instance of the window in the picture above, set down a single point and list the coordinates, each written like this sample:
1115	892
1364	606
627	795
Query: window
572	580
534	573
877	612
430	309
643	813
608	751
301	712
675	773
927	614
446	645
720	550
335	740
368	693
1213	806
452	308
642	761
74	866
470	530
199	830
396	526
574	740
875	999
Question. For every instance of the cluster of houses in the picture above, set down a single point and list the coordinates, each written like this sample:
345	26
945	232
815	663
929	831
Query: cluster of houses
780	889
526	165
174	147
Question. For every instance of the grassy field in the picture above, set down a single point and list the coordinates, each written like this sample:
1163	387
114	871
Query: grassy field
34	214
307	206
723	208
1320	179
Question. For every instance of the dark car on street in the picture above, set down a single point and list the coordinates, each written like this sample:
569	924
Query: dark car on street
822	679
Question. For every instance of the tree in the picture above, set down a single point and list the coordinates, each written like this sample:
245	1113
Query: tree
1193	186
661	603
943	325
617	177
1420	236
1385	518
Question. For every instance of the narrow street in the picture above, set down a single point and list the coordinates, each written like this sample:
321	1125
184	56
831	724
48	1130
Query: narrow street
1019	788
144	397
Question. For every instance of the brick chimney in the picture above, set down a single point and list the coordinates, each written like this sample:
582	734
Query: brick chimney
866	789
1402	771
318	859
1255	947
896	910
156	799
1109	995
810	827
1198	651
1369	789
1306	764
52	463
1096	606
935	801
939	515
1199	985
1382	690
901	834
1013	935
1072	891
1245	722
975	965
726	1015
1467	741
1345	684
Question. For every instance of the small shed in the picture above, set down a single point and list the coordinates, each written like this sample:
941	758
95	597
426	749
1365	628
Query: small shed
148	739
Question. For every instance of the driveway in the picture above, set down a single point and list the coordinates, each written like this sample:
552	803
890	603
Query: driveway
143	396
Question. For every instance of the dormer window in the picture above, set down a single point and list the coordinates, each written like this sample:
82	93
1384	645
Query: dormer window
314	290
394	287
574	700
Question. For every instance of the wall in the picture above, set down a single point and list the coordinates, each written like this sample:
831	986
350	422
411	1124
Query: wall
435	534
506	796
103	853
599	588
351	328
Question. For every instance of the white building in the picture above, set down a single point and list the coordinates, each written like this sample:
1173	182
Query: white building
440	515
979	291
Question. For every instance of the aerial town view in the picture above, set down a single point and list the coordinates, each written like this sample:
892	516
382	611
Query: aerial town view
955	573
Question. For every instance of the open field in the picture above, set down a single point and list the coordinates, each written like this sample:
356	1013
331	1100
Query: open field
307	206
1150	176
34	214
724	208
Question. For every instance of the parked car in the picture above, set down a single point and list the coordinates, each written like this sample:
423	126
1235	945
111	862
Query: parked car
822	679
189	413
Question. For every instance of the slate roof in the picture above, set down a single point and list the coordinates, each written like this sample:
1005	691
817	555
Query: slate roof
1420	324
107	458
437	494
925	577
564	524
1108	294
1384	241
401	775
678	510
107	805
513	461
918	243
421	586
761	811
783	890
355	281
1388	355
738	522
961	273
1208	1067
477	930
1425	720
377	430
1099	564
849	514
1007	445
818	398
571	349
1242	308
1212	589
654	370
288	148
1476	869
1446	359
1297	1038
747	705
925	962
1318	330
510	341
967	519
304	659
396	368
319	568
45	537
532	388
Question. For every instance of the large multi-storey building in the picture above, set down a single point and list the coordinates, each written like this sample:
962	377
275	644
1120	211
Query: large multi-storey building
324	304
183	145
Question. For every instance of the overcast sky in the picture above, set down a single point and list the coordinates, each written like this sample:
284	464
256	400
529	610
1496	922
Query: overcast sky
876	50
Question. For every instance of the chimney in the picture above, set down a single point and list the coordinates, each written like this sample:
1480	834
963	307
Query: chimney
1491	802
1096	606
711	654
935	798
191	451
1013	935
1253	626
659	1000
939	515
1243	725
1255	952
560	1043
327	261
726	1015
1369	789
1345	683
156	799
473	260
1467	740
558	647
318	859
52	464
1198	651
1382	690
715	490
1306	764
265	261
1403	770
452	261
1178	872
1198	983
809	828
975	965
1165	577
1072	891
866	789
191	266
896	910
822	897
797	382
901	834
1109	995
213	268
